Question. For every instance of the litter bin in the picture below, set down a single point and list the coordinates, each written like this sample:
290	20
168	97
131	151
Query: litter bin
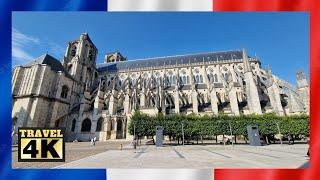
159	136
253	135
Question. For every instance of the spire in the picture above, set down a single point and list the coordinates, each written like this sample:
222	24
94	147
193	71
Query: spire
268	71
246	64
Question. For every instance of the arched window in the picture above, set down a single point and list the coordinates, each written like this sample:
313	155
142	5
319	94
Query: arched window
73	51
73	127
64	91
86	125
184	80
99	125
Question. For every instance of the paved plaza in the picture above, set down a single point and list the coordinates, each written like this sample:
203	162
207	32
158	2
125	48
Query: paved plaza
74	151
195	156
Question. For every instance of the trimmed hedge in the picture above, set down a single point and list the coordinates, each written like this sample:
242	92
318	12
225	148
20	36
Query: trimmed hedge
195	126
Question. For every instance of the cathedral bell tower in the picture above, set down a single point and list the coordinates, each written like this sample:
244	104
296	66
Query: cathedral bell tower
80	60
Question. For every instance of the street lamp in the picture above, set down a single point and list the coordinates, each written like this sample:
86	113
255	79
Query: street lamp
182	133
231	133
279	132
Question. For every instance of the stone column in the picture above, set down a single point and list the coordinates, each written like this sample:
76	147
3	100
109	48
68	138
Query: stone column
126	104
251	88
176	101
275	101
143	98
205	77
176	93
214	101
194	94
234	100
195	103
128	135
114	130
98	103
113	103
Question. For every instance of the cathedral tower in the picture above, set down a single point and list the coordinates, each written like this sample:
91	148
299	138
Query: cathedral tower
80	60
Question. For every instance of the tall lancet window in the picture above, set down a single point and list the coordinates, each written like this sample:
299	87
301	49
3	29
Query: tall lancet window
64	91
184	78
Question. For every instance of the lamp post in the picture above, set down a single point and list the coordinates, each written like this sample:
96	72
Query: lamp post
134	131
279	132
182	134
231	133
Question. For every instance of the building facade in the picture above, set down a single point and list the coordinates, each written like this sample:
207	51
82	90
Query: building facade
90	99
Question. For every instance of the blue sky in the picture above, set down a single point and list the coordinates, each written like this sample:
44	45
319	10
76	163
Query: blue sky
278	39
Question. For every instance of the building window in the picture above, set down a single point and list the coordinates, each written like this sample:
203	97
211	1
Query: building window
99	125
171	80
64	91
213	78
73	127
198	79
86	125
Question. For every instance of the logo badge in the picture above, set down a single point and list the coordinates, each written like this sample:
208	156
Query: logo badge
41	145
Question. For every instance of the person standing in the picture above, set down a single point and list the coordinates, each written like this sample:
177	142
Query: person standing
94	141
91	142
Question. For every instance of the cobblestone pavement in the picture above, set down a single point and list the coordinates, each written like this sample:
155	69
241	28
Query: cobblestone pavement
74	151
198	157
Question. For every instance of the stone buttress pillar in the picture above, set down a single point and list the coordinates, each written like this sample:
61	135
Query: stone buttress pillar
113	103
233	100
126	104
251	88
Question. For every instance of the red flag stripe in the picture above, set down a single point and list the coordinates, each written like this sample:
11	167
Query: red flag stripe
261	5
311	6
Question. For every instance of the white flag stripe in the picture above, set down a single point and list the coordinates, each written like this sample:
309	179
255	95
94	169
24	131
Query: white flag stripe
159	174
160	5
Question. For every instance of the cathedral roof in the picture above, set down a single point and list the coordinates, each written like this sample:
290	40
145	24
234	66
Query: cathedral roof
170	60
48	60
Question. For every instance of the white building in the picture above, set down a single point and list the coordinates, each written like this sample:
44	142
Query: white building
97	100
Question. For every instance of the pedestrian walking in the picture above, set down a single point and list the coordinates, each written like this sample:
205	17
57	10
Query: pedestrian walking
91	142
94	141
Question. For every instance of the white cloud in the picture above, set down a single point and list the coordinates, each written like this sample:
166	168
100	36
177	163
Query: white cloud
23	45
20	42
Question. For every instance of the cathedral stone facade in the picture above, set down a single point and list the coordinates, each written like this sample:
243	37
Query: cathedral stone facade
90	99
